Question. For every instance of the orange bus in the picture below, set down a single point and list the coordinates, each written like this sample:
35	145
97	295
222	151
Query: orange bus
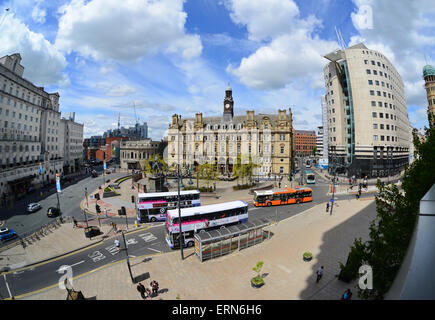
276	197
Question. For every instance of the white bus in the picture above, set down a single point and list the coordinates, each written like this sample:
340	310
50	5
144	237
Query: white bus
308	163
152	207
203	218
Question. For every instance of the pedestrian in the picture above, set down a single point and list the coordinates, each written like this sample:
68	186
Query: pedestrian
155	286
148	293
141	288
117	244
327	207
347	295
319	274
74	223
105	212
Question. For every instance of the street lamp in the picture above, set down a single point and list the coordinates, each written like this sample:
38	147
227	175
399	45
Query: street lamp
179	208
54	171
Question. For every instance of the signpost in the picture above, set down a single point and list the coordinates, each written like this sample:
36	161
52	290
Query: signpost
58	189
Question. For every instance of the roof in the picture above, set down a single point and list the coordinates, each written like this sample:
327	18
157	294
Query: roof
428	70
161	194
185	212
223	232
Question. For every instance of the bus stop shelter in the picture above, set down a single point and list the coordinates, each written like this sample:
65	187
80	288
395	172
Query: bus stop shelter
216	243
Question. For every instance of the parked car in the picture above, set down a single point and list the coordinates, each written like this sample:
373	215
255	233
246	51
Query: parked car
32	207
53	212
94	174
108	171
7	234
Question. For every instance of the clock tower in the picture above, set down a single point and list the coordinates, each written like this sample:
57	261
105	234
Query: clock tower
228	104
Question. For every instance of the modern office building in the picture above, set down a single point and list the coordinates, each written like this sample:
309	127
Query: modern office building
325	126
319	142
304	142
264	139
31	145
368	125
429	84
138	132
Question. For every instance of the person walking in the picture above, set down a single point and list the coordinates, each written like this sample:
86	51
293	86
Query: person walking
319	274
141	288
74	223
327	207
117	244
155	287
347	295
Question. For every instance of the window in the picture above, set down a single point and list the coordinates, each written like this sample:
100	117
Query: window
379	104
375	125
368	71
382	127
366	61
386	115
381	115
377	82
382	138
372	92
370	82
374	114
375	72
380	73
373	103
373	62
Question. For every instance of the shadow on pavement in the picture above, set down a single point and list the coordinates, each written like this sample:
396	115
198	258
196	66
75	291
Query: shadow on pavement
334	249
142	277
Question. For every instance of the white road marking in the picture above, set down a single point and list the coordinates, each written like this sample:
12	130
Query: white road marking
7	286
283	268
154	250
147	237
58	270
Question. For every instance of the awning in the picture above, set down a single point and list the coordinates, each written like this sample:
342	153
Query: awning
22	179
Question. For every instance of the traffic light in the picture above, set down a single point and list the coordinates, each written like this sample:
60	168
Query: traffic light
124	213
97	207
132	199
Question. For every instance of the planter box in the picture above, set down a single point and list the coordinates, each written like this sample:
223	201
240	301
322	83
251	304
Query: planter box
256	285
109	194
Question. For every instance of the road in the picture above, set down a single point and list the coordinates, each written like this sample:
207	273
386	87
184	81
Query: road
18	219
142	242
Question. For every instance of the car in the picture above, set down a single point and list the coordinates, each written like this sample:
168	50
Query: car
7	234
108	171
53	212
94	174
31	189
32	207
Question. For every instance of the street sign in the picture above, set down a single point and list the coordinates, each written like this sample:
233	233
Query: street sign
40	168
58	182
332	200
104	165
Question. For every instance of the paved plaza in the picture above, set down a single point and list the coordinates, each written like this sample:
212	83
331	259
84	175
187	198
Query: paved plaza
285	273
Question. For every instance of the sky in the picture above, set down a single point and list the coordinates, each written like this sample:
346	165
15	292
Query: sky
149	59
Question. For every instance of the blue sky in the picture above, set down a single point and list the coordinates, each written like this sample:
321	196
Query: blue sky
170	56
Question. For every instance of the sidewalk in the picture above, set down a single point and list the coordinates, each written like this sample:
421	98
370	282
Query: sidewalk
285	273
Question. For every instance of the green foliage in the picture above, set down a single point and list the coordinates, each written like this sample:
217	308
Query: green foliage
257	280
122	179
208	172
258	267
308	255
147	165
201	189
393	226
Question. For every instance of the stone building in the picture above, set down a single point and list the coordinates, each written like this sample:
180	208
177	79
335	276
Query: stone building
264	139
429	84
132	153
31	142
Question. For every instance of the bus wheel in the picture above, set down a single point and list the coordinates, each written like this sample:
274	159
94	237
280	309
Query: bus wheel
298	201
190	244
269	204
153	219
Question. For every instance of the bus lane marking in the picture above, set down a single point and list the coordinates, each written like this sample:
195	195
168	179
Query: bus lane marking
96	256
148	237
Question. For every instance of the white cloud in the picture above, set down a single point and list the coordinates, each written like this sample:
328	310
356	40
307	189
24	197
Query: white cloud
125	30
292	52
398	32
120	90
38	15
42	61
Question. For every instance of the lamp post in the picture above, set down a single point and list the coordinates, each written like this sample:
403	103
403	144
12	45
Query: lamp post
127	257
181	240
54	171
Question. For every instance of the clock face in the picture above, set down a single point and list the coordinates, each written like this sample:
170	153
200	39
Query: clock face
227	106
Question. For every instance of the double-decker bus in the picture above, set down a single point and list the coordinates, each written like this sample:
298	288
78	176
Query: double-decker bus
152	207
309	177
203	218
276	197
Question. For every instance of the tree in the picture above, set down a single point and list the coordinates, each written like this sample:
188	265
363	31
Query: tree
207	171
393	226
314	150
155	164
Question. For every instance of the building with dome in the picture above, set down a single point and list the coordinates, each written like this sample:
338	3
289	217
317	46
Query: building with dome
429	84
263	139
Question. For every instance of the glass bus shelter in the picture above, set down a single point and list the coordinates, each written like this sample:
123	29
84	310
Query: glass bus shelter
216	243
